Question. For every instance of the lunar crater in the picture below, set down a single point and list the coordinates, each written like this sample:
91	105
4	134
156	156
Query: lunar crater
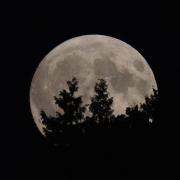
104	67
120	81
139	65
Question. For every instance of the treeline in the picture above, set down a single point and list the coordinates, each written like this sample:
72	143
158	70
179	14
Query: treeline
74	122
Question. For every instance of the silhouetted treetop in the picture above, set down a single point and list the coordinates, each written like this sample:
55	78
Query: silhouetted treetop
142	116
101	103
73	110
73	113
150	107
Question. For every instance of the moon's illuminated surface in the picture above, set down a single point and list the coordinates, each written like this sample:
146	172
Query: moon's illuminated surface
89	58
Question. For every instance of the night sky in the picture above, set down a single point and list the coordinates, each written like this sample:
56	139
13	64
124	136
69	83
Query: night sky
31	31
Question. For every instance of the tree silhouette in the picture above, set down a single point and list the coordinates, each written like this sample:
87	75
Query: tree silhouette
137	117
54	127
150	107
72	124
141	116
73	113
101	103
73	110
121	122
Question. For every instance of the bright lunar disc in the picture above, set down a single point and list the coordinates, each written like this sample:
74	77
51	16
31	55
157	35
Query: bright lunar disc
89	58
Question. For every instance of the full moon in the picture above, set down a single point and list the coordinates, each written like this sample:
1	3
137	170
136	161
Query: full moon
89	58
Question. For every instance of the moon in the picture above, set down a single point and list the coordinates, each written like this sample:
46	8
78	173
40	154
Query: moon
89	58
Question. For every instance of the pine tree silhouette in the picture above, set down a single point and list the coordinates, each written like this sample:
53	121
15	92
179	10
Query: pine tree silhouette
71	118
73	110
101	103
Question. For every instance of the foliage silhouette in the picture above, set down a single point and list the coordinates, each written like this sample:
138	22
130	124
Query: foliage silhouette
72	125
143	116
101	103
136	117
150	107
60	127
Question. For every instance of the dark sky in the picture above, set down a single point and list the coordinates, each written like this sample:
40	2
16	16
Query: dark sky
31	31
